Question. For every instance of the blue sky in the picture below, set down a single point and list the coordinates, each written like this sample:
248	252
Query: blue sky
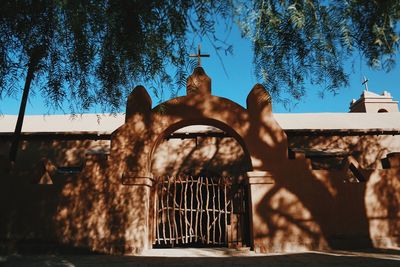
239	78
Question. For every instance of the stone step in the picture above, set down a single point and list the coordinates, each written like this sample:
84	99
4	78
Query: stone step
199	252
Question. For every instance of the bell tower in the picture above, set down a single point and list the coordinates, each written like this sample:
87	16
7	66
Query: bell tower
374	103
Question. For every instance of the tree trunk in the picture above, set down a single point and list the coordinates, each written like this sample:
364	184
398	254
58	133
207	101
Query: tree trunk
21	114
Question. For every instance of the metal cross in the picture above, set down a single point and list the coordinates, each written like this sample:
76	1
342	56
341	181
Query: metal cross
199	56
365	82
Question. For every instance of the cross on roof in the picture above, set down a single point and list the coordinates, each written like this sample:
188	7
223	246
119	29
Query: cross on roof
199	55
365	82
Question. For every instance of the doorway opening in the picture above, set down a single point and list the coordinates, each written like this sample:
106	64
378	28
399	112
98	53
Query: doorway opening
200	198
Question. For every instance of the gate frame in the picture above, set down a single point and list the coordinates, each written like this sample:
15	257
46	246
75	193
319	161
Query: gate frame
190	122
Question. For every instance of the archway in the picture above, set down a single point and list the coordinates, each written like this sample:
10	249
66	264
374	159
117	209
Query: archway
134	143
200	198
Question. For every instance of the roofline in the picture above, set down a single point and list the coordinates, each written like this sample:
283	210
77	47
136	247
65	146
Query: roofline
290	132
59	136
341	132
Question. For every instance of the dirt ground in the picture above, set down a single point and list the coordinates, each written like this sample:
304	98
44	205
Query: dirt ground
212	257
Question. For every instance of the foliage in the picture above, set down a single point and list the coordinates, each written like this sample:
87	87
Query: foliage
300	41
92	52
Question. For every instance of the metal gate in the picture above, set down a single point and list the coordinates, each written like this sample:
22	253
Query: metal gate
199	211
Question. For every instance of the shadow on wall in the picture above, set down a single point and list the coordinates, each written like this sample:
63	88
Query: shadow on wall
383	207
367	149
378	197
304	208
308	208
30	211
106	206
194	156
102	212
81	210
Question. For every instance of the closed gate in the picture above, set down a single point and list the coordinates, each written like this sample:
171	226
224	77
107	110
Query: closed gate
199	211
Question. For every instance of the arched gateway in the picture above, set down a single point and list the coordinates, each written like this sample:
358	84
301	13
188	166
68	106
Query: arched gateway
159	209
200	195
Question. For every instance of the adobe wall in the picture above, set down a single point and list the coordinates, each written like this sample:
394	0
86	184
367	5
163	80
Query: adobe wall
367	149
90	211
201	156
60	152
107	206
304	208
293	206
35	216
87	210
337	215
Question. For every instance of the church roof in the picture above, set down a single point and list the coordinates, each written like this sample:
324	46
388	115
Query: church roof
334	121
106	124
102	124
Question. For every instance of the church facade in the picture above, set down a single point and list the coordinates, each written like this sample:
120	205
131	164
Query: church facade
202	171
